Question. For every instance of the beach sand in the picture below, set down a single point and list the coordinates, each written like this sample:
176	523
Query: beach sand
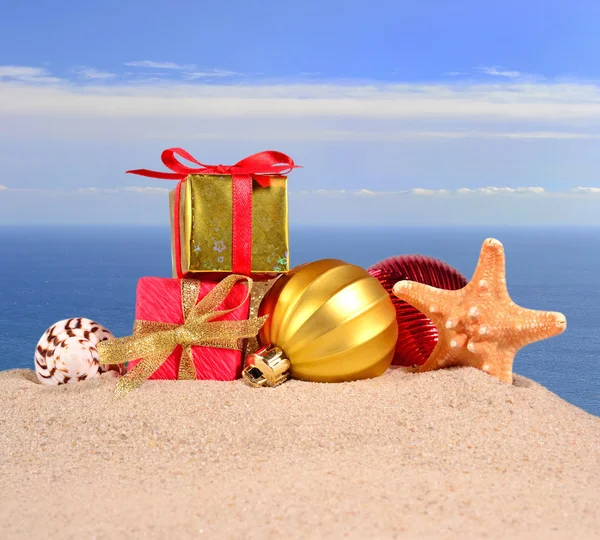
448	454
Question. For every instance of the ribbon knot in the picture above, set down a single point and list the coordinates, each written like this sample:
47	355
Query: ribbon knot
260	166
153	342
183	336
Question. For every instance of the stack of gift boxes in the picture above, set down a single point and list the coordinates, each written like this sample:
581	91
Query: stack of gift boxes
229	239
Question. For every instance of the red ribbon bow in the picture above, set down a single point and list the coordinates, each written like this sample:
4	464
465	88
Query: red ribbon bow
260	167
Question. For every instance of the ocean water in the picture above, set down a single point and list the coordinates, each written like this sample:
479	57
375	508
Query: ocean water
52	273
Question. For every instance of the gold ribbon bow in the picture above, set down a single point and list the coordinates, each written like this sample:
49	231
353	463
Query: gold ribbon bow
154	342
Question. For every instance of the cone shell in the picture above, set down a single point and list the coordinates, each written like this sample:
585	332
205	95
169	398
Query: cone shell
66	353
333	320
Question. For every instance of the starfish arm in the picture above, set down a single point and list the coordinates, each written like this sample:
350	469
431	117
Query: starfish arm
428	300
438	358
494	359
500	365
491	268
529	325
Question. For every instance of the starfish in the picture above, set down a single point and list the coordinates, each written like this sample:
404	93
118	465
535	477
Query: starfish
479	325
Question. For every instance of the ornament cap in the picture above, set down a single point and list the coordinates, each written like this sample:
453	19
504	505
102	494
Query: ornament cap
266	367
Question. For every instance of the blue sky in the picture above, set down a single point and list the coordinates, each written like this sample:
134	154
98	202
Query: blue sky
400	112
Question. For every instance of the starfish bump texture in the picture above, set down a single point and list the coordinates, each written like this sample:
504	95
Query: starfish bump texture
479	325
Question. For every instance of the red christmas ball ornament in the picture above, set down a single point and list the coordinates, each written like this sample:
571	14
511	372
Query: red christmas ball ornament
417	335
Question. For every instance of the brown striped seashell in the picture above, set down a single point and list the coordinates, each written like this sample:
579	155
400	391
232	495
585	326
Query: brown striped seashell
66	353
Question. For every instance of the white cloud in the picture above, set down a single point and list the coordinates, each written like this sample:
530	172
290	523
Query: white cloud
93	74
159	65
428	192
535	189
501	190
369	136
147	190
211	74
483	191
145	73
144	190
475	102
370	193
325	192
586	190
498	72
26	74
388	136
16	72
560	135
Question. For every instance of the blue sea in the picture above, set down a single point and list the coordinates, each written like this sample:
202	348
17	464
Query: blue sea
52	273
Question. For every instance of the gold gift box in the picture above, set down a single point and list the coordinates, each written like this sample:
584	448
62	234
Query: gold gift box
205	225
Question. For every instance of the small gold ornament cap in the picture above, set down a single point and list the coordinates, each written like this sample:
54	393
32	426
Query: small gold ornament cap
266	367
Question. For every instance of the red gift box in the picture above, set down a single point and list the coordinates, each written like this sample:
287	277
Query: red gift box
160	300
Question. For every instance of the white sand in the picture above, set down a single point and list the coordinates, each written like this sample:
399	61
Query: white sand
449	454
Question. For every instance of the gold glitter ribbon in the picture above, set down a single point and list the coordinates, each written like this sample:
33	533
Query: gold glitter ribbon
154	342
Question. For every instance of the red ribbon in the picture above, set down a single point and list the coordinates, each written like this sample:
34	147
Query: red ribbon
260	167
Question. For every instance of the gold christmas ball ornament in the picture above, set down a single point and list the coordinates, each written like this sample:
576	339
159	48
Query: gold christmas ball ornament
329	321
